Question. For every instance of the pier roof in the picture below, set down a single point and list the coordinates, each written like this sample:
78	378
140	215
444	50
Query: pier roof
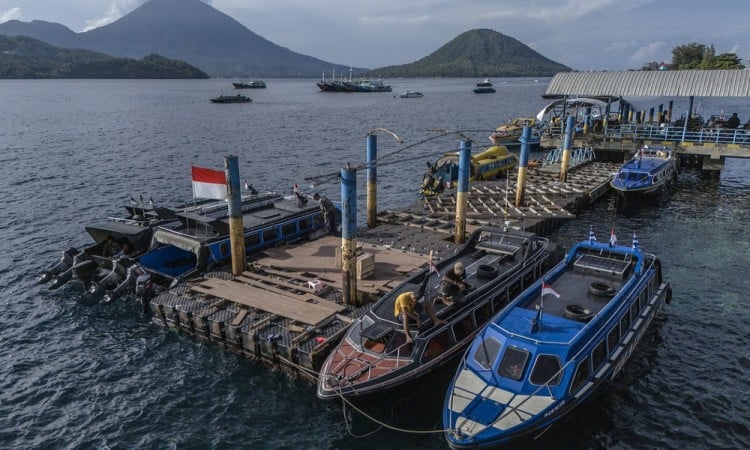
670	83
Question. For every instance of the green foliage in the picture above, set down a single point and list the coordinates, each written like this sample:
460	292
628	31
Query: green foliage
22	57
477	53
702	57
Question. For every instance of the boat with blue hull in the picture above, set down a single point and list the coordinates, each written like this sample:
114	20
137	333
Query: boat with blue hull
542	357
650	172
374	355
201	239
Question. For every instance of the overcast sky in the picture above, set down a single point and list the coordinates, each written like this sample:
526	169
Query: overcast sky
582	34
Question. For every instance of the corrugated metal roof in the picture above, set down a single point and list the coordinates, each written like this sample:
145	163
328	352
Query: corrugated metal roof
670	83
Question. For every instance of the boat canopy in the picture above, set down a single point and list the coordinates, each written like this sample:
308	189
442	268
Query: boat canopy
138	236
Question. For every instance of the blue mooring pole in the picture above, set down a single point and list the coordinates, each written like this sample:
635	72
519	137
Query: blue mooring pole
462	192
669	111
523	164
236	226
372	181
650	115
660	118
587	120
348	235
569	128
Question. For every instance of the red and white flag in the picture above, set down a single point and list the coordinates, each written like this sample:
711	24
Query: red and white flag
547	289
613	238
209	183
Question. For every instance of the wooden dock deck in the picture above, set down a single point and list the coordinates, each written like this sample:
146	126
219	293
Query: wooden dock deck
287	309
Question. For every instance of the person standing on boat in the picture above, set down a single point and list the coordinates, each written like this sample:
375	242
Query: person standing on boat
733	122
406	308
329	212
452	282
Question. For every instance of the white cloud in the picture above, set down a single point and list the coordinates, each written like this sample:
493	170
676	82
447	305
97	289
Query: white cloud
648	52
116	10
11	14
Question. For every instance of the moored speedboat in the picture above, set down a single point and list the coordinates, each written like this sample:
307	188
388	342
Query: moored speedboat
239	98
509	134
374	354
412	94
492	163
651	171
537	360
484	90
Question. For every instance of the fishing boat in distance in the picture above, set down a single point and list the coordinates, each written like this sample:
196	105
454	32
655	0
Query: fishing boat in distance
412	94
250	84
542	357
484	90
650	172
374	354
239	98
484	83
492	163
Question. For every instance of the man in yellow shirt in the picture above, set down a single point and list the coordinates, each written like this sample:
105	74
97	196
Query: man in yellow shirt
405	308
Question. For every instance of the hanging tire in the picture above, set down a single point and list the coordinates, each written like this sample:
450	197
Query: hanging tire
668	299
601	290
577	312
486	271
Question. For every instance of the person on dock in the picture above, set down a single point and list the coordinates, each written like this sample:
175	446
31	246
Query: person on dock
329	212
733	122
407	308
452	282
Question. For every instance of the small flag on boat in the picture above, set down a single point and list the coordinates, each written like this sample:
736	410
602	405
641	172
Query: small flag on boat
592	236
295	189
433	267
245	185
209	183
547	289
612	238
636	245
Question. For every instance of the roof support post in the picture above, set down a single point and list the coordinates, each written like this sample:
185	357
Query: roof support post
687	117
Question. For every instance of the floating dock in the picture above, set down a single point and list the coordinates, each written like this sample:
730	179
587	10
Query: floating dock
287	308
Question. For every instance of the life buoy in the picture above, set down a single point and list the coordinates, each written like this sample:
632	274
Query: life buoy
486	271
577	312
601	289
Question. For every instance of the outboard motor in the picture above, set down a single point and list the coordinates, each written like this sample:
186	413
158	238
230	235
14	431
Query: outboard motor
66	260
114	276
144	289
126	285
61	278
84	267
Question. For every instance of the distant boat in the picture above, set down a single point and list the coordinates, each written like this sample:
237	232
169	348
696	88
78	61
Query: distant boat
651	171
250	84
368	85
239	98
484	83
412	94
539	359
509	134
484	90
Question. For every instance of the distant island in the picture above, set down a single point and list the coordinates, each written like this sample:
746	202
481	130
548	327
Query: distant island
24	57
477	53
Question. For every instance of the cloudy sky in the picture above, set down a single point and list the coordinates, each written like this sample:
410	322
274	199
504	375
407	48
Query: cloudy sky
583	34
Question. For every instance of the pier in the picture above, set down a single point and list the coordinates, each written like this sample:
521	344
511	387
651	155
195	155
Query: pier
288	307
624	131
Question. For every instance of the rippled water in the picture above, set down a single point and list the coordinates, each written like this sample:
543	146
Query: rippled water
73	374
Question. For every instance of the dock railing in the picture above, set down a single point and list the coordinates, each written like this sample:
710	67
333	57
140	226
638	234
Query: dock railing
671	133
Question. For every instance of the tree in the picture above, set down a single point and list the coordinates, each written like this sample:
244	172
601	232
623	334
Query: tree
703	57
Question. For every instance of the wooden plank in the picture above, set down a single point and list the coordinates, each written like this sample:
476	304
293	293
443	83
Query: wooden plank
239	317
256	276
304	312
334	307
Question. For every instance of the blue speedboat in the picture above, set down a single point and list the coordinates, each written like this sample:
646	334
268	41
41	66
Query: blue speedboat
543	356
201	240
651	171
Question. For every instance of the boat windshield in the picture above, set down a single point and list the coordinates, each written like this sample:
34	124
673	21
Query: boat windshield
633	176
513	363
486	352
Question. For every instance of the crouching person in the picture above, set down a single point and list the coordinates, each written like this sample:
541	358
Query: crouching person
407	308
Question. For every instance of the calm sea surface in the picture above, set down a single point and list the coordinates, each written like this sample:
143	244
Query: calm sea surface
80	375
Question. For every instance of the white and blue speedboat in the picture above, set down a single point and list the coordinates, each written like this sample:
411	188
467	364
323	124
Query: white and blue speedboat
651	171
542	356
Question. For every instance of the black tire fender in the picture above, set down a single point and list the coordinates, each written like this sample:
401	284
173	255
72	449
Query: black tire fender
577	312
486	271
601	289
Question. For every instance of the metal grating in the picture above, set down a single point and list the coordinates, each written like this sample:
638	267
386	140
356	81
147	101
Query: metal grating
677	83
609	265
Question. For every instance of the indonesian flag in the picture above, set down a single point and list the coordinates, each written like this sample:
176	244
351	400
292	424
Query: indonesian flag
433	267
547	289
612	238
209	183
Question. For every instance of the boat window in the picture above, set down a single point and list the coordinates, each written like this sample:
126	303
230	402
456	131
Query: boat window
500	301
270	235
289	229
546	371
224	249
599	354
582	374
625	323
463	328
513	363
634	311
304	224
437	345
486	352
483	314
251	240
613	338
